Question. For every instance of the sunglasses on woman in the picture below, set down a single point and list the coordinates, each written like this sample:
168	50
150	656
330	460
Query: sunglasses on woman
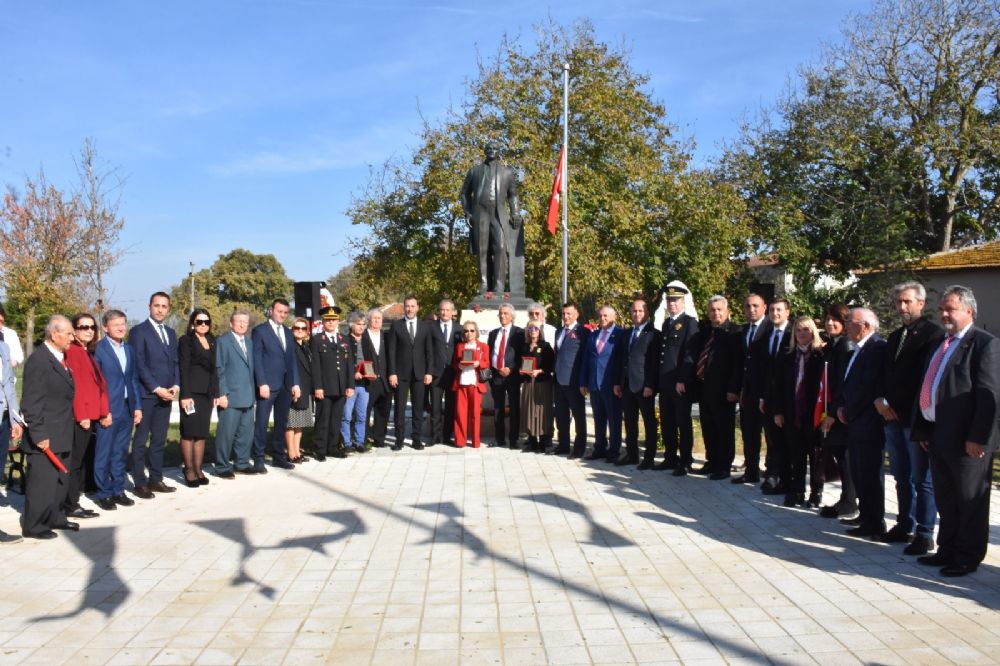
300	327
86	327
202	322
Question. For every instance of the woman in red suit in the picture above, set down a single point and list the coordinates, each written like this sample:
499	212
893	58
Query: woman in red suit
90	404
468	385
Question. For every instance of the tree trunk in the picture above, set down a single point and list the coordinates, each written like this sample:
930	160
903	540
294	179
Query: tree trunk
949	222
29	331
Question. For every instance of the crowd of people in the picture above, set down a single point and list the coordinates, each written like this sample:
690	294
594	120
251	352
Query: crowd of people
829	398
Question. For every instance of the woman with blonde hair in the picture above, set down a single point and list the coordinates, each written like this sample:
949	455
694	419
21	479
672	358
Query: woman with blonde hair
472	364
796	385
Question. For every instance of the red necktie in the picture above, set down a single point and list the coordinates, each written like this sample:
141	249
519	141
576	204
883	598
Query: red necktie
932	370
502	349
602	340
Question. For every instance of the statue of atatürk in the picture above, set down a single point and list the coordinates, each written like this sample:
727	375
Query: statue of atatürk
489	197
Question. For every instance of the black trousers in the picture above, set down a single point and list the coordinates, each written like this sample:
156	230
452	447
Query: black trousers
570	406
378	416
635	405
442	409
414	388
751	423
962	493
718	429
678	430
83	439
775	460
45	493
329	416
800	450
867	455
506	393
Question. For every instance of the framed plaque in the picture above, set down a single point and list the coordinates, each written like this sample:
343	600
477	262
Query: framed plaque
528	364
468	357
367	369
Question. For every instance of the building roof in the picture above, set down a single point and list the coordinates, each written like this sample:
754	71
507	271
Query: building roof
986	255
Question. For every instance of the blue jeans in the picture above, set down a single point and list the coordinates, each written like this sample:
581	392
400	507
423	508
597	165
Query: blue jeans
910	466
356	412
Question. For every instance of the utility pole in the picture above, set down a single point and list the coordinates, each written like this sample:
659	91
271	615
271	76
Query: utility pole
191	278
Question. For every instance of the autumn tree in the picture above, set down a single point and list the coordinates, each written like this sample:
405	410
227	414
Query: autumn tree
100	200
639	214
41	250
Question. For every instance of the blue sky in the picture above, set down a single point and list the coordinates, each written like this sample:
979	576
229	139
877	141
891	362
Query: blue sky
252	123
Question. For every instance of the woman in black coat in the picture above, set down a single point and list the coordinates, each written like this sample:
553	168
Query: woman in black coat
199	392
300	416
800	368
833	439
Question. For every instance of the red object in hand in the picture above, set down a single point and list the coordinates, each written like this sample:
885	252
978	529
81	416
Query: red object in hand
55	461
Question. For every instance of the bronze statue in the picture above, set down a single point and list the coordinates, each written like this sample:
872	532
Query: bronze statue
489	198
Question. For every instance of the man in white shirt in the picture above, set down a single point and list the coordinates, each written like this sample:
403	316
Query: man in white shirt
9	336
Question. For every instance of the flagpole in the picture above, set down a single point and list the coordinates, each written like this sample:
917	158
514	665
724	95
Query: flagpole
565	179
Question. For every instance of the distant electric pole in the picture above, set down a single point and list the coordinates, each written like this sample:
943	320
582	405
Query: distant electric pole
191	277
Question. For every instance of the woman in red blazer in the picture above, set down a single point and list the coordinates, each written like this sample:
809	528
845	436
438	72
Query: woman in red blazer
468	385
90	404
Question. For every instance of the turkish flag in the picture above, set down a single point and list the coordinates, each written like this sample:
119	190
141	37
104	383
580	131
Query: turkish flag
819	409
553	216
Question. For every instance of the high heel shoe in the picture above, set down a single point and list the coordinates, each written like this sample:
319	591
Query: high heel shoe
202	481
190	483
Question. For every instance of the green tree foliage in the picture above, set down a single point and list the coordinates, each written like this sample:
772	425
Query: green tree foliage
639	214
238	279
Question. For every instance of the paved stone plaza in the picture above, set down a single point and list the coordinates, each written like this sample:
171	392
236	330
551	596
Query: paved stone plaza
484	556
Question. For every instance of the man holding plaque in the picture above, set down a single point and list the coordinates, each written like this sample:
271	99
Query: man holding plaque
376	357
47	405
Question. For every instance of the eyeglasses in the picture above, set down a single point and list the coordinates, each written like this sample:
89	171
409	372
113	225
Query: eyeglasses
471	330
300	327
85	327
202	322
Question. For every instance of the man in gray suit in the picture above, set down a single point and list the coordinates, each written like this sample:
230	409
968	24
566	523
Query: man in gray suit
234	434
11	423
489	198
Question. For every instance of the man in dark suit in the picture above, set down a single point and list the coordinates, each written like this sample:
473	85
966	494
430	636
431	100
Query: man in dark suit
569	344
11	421
234	361
47	404
276	373
754	336
333	383
445	334
637	386
955	421
855	407
600	371
505	343
410	353
679	329
767	371
155	347
116	361
715	384
906	355
374	345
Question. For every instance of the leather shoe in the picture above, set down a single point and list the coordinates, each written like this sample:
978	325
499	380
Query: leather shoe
161	487
321	457
69	526
282	464
228	474
704	470
47	534
777	489
792	499
399	447
627	460
645	464
681	470
747	477
595	456
864	531
851	521
574	456
935	560
143	492
9	538
719	476
80	512
249	471
956	570
896	535
123	500
259	469
666	464
420	447
106	503
919	546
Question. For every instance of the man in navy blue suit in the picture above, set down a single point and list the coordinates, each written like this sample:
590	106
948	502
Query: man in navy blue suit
569	344
155	347
276	373
599	372
116	359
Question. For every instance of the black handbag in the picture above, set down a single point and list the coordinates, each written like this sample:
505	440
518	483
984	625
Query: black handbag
485	374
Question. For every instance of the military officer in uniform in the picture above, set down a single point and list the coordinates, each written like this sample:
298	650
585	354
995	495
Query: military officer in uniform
333	383
679	328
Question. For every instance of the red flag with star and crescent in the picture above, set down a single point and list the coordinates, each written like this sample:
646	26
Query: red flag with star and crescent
554	199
